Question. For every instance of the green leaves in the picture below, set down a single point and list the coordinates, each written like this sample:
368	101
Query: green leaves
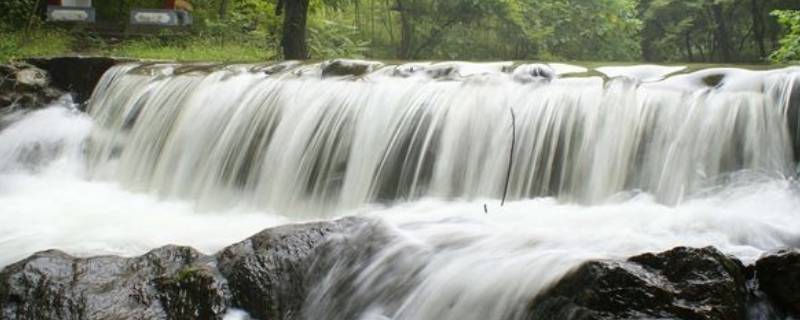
16	13
789	50
332	39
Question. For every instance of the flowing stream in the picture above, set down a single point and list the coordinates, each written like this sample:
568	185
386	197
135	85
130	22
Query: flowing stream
593	164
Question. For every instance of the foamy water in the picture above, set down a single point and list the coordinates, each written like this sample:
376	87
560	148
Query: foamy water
53	205
489	266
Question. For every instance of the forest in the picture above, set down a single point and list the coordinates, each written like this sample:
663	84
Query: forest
699	31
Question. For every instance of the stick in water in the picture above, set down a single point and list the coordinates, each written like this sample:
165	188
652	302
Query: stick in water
511	154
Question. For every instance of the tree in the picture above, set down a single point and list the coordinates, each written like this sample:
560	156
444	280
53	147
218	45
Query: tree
293	39
789	50
223	9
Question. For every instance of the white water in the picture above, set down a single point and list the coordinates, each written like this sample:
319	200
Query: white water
466	264
49	204
206	159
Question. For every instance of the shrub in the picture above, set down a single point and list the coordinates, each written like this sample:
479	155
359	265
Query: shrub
789	50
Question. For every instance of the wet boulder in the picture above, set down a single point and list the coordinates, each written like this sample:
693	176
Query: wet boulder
682	283
267	273
779	278
343	67
265	276
162	284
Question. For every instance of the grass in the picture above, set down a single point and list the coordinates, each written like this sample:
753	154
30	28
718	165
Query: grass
192	49
43	42
40	42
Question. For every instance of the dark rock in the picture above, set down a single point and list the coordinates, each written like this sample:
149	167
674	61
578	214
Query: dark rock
78	75
272	274
54	285
341	67
681	283
409	69
443	71
713	80
267	273
194	293
778	276
264	275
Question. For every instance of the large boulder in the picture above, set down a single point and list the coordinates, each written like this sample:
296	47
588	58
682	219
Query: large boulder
268	272
779	278
682	283
167	283
263	275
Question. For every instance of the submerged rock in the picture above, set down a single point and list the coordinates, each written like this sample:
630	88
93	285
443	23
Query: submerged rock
779	278
528	73
682	283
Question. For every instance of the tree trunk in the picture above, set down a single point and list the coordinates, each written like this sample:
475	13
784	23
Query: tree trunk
722	34
758	28
223	9
406	31
295	17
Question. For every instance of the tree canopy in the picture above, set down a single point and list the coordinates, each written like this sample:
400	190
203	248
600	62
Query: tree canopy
596	30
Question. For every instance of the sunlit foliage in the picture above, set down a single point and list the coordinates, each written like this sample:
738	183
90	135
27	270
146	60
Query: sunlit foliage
789	50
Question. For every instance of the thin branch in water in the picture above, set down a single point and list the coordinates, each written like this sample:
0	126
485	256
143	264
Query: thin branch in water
511	154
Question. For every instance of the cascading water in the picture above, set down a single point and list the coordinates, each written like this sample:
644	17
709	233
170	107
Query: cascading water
605	164
295	141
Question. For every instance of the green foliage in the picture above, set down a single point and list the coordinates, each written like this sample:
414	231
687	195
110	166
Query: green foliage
35	43
588	30
710	30
190	49
17	13
789	50
486	29
607	30
333	39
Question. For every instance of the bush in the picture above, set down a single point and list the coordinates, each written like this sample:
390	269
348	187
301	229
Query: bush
17	12
789	50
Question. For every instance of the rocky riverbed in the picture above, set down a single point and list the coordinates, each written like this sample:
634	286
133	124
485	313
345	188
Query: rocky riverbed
269	275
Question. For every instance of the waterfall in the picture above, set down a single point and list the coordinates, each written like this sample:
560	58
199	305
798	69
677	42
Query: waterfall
606	163
310	138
